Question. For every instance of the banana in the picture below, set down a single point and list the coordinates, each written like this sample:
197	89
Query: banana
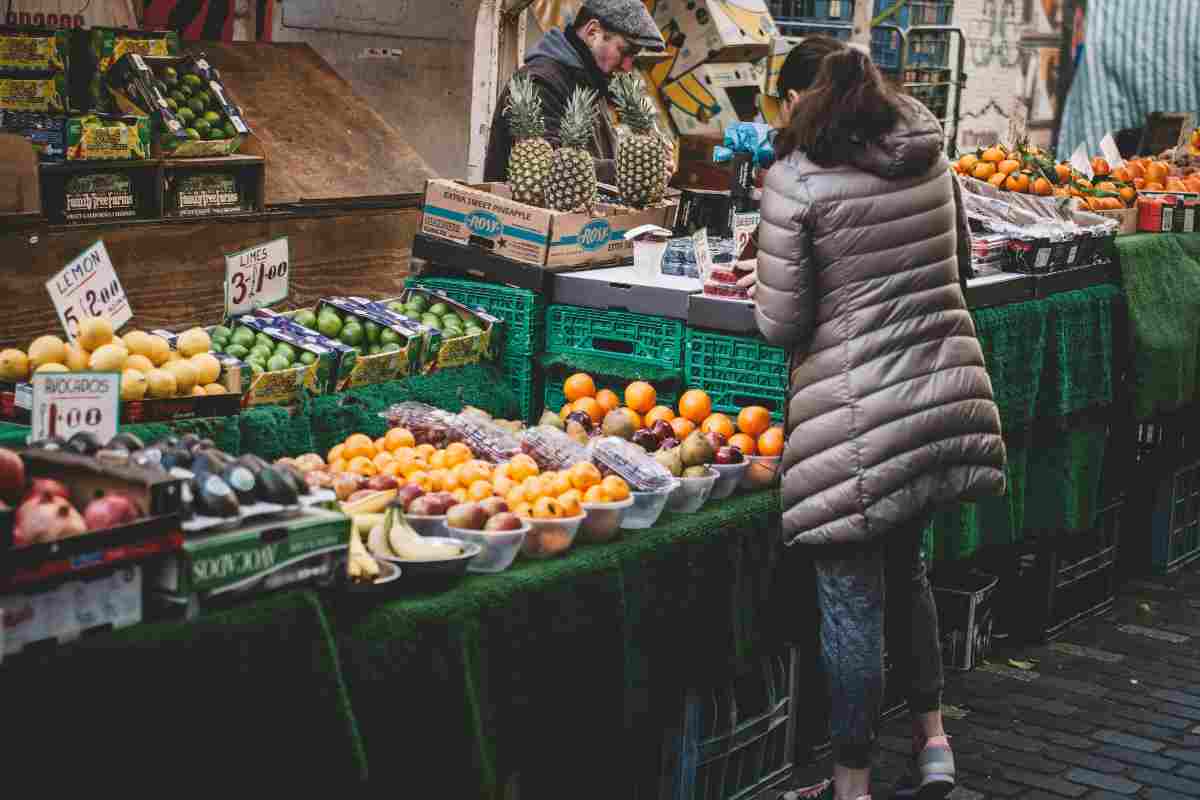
364	522
372	504
409	546
361	566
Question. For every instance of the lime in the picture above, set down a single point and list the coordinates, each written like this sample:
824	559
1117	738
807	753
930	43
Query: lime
278	362
214	134
432	320
171	104
197	105
239	351
205	96
308	358
185	114
389	336
418	302
212	117
286	350
263	339
257	369
372	330
373	350
179	97
192	133
230	130
220	332
162	87
260	351
169	74
352	333
398	307
329	324
193	80
306	318
439	308
202	127
217	347
389	347
184	90
243	336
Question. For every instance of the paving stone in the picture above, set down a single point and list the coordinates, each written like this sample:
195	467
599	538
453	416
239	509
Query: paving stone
994	786
1163	780
1079	651
1078	758
1183	698
1028	761
1191	772
1078	687
1106	796
1155	793
1098	780
1125	740
963	793
1047	782
1006	740
1137	757
1042	704
1188	755
1155	732
1151	718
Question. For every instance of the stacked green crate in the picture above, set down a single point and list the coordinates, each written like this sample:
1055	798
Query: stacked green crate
524	315
737	371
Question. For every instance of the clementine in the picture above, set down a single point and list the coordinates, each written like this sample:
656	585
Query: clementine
1043	187
584	475
640	396
771	442
363	466
743	442
589	406
570	501
579	385
607	399
753	420
1008	166
335	453
984	170
596	494
1100	166
682	427
998	180
359	444
479	490
658	413
1063	171
1157	172
696	405
548	508
397	438
719	423
967	163
994	154
615	487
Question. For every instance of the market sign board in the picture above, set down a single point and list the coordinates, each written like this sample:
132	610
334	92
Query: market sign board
65	403
88	287
256	277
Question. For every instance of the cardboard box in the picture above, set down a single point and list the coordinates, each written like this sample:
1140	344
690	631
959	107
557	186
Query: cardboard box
705	31
108	45
222	103
461	350
73	194
34	49
191	193
1127	219
485	217
161	409
710	98
106	137
46	132
416	341
621	289
303	546
45	92
284	387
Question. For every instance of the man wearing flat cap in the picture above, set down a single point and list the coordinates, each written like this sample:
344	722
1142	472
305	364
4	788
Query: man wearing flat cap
601	40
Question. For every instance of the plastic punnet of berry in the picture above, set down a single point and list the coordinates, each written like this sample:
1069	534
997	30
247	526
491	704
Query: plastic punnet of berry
485	438
631	462
552	449
427	424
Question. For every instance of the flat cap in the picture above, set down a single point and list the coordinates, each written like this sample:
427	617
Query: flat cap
628	17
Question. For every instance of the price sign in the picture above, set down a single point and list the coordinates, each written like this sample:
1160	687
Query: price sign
88	287
704	260
1018	121
256	277
1108	148
1079	160
744	225
65	403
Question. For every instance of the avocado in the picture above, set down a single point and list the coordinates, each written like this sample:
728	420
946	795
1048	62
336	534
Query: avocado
294	477
206	463
127	442
85	443
214	497
176	457
273	488
242	481
189	440
252	462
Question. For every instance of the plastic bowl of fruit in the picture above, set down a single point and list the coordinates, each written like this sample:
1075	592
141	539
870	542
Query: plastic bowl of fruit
729	476
692	492
500	547
550	536
428	526
603	521
762	472
647	508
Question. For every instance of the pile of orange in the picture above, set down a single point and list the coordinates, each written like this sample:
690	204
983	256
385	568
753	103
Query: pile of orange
1027	171
751	432
530	492
452	469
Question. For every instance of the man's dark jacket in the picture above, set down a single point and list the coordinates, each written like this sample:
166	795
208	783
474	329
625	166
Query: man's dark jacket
557	64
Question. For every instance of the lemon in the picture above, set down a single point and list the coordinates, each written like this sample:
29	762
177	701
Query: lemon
94	333
160	351
198	391
47	350
108	358
14	365
52	366
138	343
133	384
77	358
185	375
208	368
214	388
193	341
139	362
160	383
173	356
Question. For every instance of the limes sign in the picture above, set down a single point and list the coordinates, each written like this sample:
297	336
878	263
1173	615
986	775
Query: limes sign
704	260
88	287
65	403
256	277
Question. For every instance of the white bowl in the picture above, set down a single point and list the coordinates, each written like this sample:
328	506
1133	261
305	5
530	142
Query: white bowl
550	537
500	548
428	526
647	508
762	472
603	522
692	493
728	478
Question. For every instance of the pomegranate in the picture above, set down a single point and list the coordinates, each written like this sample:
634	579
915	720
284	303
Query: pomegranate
48	486
45	518
109	511
12	475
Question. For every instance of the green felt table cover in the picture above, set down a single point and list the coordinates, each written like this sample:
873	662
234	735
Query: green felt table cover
1161	277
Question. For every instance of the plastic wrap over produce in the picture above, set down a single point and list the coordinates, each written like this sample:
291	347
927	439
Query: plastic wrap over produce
680	256
615	455
485	438
551	448
427	424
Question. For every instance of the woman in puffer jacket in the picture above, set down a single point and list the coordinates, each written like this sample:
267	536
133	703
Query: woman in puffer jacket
890	411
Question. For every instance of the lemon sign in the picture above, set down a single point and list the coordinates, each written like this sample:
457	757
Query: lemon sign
88	287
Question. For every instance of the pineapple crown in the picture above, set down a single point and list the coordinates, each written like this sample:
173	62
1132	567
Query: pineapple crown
579	119
629	93
524	108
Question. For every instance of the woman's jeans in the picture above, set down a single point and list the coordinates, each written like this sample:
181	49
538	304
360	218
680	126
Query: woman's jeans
854	585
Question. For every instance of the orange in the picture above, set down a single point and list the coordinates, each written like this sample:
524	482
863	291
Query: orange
1063	171
479	490
615	487
339	466
570	501
1152	186
753	420
682	427
502	486
470	472
501	471
382	459
607	399
562	412
695	405
422	479
984	170
584	475
522	509
1176	185
446	480
634	417
533	487
363	466
771	442
1135	170
578	386
426	451
998	180
404	454
596	494
657	413
397	438
993	154
379	444
359	444
412	468
640	396
1122	174
1008	166
1128	194
458	453
560	483
1157	172
392	468
589	406
438	460
515	497
1100	166
1017	182
1043	187
967	163
1106	186
548	508
720	423
521	467
459	495
743	442
1193	183
335	453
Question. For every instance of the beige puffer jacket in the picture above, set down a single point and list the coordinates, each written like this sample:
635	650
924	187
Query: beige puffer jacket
890	412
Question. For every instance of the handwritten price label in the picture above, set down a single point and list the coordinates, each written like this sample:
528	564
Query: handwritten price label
256	277
66	403
88	287
704	260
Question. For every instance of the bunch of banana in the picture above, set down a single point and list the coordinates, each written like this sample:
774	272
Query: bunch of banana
393	537
361	566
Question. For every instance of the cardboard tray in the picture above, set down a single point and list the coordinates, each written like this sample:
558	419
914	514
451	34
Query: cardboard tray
621	289
998	290
477	263
720	314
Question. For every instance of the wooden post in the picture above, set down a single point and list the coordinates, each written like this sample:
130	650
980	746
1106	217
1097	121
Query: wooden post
499	50
864	11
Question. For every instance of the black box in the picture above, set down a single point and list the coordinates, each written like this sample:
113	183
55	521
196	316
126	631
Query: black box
703	208
620	289
965	614
720	314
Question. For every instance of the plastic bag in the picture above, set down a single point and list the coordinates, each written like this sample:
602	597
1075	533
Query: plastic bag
631	462
486	439
552	449
427	424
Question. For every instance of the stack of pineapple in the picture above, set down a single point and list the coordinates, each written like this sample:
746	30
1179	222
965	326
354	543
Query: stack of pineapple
565	179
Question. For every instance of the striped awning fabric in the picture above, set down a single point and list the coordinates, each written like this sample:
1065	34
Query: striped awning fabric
1139	56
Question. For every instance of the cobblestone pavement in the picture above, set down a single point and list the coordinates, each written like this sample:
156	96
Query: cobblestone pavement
1110	709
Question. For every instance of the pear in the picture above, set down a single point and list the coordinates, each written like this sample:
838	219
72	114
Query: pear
696	450
671	459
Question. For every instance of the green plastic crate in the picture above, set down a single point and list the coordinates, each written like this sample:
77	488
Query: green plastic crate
523	311
525	379
636	338
737	371
554	397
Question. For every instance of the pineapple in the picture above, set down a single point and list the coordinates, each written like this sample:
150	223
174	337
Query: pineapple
641	156
529	161
571	182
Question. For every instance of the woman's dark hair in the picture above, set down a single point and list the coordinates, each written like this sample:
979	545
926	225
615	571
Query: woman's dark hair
799	70
847	106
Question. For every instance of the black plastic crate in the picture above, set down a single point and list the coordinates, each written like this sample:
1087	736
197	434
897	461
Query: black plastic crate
1169	509
965	612
738	740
